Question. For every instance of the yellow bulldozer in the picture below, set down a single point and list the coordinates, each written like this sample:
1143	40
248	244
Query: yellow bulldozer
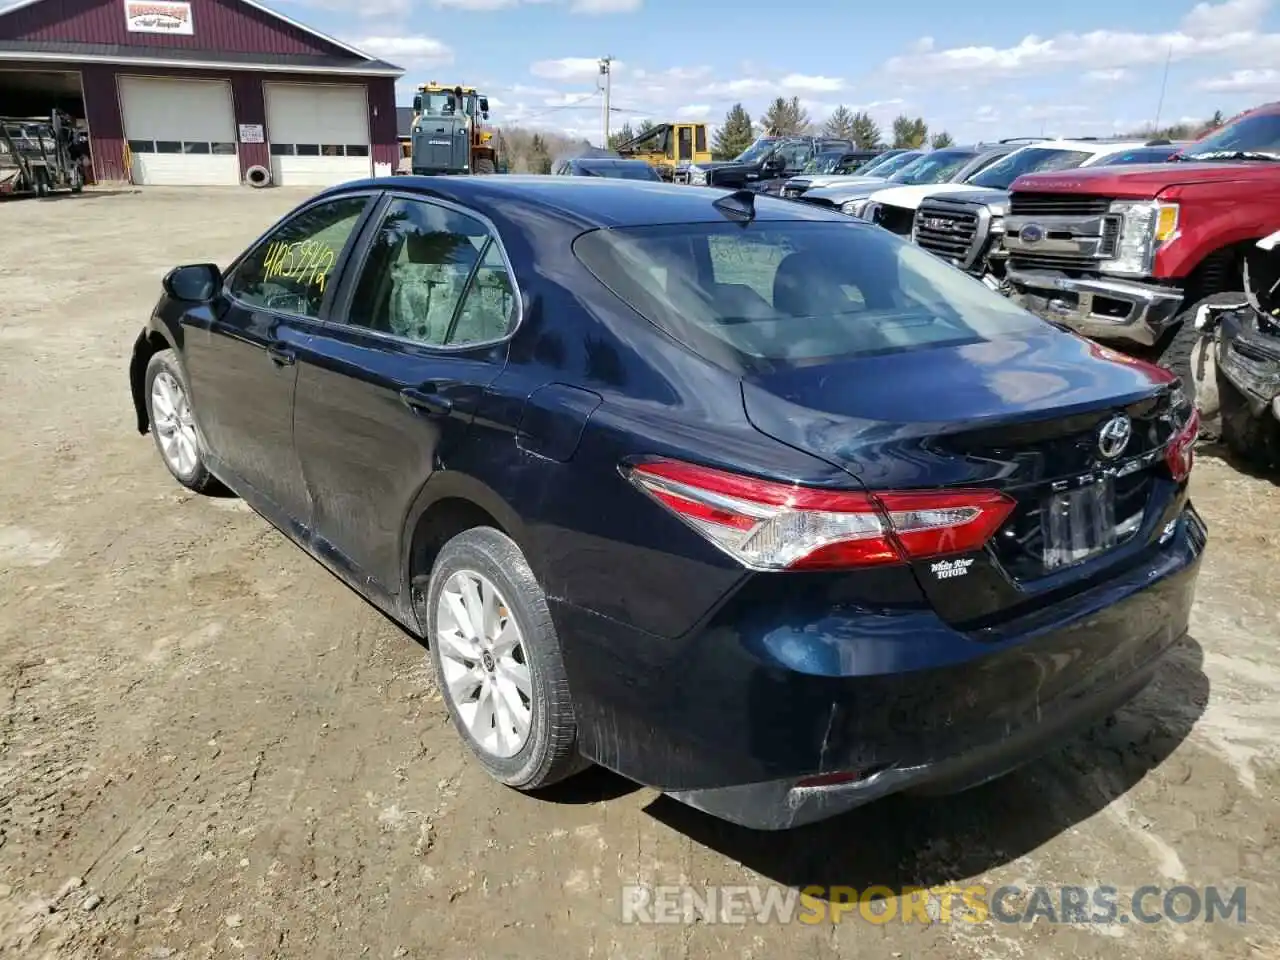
667	146
448	135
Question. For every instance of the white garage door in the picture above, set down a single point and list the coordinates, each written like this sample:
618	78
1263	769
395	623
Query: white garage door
180	131
319	133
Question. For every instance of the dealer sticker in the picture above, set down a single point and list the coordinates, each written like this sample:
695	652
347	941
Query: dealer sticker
946	569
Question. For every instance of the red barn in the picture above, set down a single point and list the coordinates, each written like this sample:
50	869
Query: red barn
200	91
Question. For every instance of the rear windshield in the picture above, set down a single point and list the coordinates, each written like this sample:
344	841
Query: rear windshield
777	293
1001	174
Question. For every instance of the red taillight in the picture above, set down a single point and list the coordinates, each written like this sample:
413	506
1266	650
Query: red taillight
777	526
1180	454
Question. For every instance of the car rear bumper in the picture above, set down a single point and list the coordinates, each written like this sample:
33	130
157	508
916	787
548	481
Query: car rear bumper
773	692
1102	308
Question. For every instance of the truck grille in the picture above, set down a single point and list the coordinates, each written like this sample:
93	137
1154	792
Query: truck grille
945	233
894	219
791	193
1057	204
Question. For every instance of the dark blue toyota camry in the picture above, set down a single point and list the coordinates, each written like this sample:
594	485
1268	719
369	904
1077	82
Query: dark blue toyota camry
751	502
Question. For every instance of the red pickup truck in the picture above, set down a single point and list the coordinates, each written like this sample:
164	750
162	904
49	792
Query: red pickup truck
1127	254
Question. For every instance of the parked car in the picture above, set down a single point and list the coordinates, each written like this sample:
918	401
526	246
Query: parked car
1145	154
1127	255
722	492
878	170
769	158
831	163
929	169
616	167
965	223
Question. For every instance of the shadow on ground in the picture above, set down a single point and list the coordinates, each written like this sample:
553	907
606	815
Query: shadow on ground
901	841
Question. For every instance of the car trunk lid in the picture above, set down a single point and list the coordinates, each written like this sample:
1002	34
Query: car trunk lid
1021	415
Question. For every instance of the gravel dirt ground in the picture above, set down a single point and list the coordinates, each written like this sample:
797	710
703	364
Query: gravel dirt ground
209	747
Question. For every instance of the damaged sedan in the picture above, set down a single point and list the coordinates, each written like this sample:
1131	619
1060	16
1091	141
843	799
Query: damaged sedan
747	500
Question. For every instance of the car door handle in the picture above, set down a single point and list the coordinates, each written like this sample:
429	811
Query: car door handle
280	354
426	401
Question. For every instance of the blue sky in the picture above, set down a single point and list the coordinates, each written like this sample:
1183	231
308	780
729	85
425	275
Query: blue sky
1083	67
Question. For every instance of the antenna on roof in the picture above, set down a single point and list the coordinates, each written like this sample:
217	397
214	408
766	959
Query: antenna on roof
739	205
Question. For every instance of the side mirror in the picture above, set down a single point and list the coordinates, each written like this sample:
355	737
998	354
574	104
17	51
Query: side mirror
484	105
417	104
775	164
195	283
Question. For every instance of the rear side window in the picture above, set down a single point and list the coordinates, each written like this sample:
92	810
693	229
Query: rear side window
795	292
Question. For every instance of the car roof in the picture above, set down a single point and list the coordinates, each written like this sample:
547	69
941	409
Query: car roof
588	201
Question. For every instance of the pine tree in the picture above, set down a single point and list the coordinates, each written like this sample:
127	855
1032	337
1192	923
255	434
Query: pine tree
864	131
940	140
908	133
840	124
539	158
645	127
734	135
621	136
786	118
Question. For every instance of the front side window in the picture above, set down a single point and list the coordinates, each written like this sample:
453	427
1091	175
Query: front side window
799	292
433	276
887	168
289	272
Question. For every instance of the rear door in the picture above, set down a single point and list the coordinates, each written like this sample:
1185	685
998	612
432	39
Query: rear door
396	375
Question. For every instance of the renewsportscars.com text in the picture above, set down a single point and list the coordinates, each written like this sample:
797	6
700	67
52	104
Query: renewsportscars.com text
973	904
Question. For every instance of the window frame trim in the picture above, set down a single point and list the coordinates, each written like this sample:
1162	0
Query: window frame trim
339	267
338	312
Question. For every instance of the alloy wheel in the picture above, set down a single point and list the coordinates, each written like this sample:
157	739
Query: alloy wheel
484	664
174	425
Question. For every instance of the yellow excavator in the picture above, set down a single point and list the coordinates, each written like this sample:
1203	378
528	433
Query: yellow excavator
448	136
668	146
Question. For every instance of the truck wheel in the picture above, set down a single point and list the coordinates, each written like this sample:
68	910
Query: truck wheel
1254	439
485	166
1174	354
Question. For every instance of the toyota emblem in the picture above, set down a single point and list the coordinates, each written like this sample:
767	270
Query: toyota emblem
1114	436
1031	233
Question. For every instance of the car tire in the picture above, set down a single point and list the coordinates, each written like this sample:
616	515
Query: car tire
1174	354
494	565
1255	440
172	422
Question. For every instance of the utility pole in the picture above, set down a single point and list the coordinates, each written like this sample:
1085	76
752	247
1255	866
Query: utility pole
608	78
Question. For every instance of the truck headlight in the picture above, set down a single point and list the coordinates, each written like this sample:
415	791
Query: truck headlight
1144	226
855	208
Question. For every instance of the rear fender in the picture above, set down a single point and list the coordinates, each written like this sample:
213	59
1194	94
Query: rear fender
454	485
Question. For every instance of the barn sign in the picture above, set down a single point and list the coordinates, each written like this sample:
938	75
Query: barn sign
158	16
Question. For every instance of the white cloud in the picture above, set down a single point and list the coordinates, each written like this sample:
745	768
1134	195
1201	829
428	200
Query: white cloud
605	6
520	90
569	99
986	114
572	68
802	82
738	88
1113	75
1233	16
693	111
417	49
475	4
1231	27
1243	81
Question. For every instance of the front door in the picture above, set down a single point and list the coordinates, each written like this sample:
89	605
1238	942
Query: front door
396	375
685	140
241	357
